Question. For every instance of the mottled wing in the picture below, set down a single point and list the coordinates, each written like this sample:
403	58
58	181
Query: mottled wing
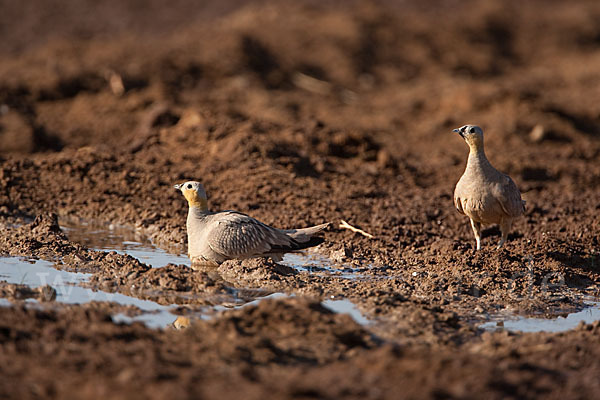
509	197
457	200
236	235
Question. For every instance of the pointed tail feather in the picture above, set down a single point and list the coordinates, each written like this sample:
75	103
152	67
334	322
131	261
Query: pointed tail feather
305	234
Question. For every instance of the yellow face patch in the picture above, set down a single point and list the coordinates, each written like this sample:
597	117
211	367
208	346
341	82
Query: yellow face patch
193	199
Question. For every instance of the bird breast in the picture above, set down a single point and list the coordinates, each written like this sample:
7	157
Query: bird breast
196	232
477	200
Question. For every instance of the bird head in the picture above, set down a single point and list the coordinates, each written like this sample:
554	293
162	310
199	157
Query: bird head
472	134
194	193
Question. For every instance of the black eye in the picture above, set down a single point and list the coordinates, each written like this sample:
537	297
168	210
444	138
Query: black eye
189	186
472	130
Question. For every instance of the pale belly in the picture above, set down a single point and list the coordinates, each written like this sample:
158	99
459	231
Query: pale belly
485	210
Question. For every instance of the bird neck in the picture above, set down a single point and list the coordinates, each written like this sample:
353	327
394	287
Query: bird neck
476	148
198	215
477	157
199	204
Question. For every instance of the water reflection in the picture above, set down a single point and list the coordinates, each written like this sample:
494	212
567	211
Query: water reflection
535	324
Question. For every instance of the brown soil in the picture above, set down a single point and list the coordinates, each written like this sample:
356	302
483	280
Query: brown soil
299	113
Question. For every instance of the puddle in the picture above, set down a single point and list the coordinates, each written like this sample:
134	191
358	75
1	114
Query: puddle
126	241
223	307
35	273
532	324
123	241
149	255
346	307
40	272
160	319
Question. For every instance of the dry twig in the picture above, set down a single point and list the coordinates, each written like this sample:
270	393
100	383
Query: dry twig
345	225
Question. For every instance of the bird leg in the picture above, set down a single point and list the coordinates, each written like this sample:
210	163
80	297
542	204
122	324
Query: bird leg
477	231
505	225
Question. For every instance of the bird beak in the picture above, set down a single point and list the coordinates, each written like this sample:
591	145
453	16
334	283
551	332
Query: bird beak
177	186
459	132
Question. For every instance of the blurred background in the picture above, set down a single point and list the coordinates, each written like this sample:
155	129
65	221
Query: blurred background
303	80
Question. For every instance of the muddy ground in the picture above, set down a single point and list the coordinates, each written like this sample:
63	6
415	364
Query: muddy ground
299	113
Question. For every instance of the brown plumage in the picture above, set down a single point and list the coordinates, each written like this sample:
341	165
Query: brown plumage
484	194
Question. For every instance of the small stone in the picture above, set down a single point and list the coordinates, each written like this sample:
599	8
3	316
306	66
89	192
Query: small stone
181	323
537	134
191	119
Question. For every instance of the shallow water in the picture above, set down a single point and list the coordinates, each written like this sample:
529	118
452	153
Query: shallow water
276	295
38	273
345	306
123	241
126	241
159	319
535	324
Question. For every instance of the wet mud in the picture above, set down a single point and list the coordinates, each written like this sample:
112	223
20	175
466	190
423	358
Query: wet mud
298	113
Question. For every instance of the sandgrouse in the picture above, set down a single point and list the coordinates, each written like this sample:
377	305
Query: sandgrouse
214	237
484	194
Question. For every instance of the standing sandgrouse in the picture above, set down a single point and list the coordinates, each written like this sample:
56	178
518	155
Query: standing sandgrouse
484	194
